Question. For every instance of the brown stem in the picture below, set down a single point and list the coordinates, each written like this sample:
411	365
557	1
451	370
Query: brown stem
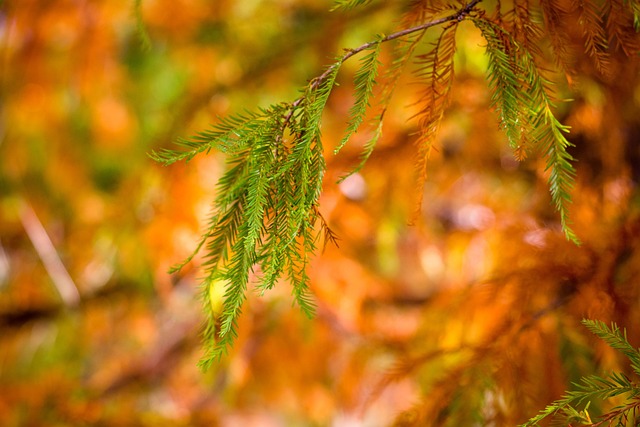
457	16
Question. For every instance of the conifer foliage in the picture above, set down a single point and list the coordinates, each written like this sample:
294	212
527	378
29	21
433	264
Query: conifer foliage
597	387
265	222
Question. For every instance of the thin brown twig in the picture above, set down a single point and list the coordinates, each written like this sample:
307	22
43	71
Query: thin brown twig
617	412
47	252
458	16
316	82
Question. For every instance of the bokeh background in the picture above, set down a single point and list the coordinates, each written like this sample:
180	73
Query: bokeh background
468	315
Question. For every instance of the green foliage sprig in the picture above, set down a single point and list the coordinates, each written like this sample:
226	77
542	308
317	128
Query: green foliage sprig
364	80
348	4
263	220
602	388
525	108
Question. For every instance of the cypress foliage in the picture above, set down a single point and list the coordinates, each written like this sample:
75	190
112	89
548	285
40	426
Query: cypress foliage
435	73
264	220
599	387
365	79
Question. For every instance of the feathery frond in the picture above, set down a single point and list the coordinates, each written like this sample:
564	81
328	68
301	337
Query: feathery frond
623	26
435	73
263	219
508	98
522	100
524	27
403	52
348	4
364	80
594	32
555	14
549	135
367	149
616	338
262	227
596	387
225	136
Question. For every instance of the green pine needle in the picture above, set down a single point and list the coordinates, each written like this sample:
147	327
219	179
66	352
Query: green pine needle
597	387
520	96
365	79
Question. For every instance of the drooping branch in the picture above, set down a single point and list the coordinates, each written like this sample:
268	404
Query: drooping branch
262	224
261	227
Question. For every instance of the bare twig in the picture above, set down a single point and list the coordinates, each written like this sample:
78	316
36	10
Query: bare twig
52	263
458	16
316	82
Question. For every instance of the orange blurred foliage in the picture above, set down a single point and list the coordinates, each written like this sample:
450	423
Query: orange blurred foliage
474	310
